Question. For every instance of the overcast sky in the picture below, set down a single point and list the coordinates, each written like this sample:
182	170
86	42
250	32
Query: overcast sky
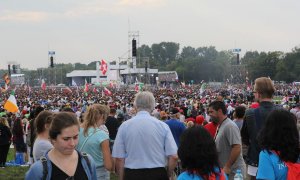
89	30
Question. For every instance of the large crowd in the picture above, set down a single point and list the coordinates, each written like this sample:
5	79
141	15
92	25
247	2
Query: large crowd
185	132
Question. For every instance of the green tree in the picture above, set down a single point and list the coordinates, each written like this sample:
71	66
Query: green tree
188	52
79	66
164	53
92	65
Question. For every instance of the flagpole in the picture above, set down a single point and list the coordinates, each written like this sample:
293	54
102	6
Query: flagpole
98	71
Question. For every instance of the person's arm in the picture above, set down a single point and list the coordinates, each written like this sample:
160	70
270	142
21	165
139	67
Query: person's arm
244	133
172	162
247	126
234	154
106	155
265	167
120	167
9	133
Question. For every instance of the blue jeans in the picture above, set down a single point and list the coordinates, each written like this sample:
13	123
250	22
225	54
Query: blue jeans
102	173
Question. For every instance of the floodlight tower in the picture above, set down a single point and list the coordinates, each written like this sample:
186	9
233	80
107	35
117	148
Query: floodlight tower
133	43
238	70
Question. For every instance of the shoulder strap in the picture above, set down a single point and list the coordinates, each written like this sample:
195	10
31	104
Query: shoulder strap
86	158
83	144
43	160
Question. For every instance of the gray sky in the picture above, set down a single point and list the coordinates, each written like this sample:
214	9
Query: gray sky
89	30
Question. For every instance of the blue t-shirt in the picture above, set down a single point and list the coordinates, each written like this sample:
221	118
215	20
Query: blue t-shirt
93	144
271	167
187	176
177	129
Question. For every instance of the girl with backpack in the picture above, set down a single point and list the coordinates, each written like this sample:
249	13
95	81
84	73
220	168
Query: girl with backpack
279	141
63	161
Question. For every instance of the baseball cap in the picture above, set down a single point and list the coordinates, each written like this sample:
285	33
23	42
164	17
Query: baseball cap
174	111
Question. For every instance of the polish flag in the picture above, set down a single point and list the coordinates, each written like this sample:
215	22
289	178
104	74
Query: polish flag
95	90
137	88
107	92
86	86
43	85
103	67
203	100
183	84
111	85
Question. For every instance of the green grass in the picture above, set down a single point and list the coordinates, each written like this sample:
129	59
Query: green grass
17	173
12	173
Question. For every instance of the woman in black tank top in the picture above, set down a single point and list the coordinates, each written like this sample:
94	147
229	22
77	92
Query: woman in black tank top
63	161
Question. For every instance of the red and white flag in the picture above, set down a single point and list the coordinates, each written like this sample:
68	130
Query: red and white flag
183	84
43	85
95	90
86	86
111	84
103	67
107	92
137	88
203	100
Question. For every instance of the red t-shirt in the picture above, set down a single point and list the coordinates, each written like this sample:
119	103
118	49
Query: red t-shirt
211	128
189	119
199	120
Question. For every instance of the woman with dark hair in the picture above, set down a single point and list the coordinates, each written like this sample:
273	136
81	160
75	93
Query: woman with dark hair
18	138
198	155
63	161
279	141
5	137
42	143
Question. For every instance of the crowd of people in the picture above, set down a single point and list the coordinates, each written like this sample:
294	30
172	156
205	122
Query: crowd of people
159	133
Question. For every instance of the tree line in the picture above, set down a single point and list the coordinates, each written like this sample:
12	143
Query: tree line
206	63
191	64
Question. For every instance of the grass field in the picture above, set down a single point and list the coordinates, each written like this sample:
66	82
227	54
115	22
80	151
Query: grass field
18	173
12	173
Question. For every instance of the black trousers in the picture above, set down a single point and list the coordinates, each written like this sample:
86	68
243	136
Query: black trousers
3	153
146	174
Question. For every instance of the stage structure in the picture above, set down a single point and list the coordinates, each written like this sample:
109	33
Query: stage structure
132	74
52	71
238	71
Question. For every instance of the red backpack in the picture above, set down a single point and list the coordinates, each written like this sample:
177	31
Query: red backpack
293	169
218	176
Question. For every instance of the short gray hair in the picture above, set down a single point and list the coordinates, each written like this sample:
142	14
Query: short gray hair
144	101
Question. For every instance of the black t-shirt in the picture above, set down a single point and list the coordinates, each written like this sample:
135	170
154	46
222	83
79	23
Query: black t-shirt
58	174
5	135
112	125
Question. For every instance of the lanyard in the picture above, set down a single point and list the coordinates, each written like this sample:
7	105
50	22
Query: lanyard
218	128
